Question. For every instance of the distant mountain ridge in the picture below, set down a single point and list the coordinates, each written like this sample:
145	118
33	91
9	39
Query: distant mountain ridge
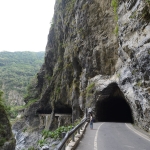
16	71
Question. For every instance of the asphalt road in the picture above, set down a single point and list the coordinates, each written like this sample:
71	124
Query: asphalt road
113	136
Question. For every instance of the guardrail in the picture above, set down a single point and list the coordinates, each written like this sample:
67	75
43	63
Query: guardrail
71	133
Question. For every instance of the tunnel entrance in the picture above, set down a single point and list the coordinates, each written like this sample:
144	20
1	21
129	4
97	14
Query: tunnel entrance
44	109
59	108
62	108
112	106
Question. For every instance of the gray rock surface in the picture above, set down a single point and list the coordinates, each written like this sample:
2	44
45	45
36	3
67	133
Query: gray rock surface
134	47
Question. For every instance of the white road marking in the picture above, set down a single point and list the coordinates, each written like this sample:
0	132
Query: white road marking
139	133
95	139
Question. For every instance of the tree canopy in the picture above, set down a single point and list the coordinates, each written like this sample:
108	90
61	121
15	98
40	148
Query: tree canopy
17	69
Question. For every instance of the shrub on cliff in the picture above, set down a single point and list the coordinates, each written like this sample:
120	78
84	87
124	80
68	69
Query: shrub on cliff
5	127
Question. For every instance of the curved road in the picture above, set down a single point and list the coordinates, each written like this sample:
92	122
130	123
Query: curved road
113	136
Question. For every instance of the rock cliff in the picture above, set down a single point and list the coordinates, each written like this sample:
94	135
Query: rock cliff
97	56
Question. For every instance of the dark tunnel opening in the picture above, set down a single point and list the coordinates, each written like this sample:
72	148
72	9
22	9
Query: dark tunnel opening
44	111
114	107
59	109
62	109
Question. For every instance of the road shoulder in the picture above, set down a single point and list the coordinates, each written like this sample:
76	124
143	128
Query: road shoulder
138	131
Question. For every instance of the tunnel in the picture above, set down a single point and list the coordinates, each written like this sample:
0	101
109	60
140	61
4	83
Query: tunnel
112	106
61	108
44	109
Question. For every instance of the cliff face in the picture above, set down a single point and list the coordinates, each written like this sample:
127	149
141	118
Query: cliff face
95	55
134	58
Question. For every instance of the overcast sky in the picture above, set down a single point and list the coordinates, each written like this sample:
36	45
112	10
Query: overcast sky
24	24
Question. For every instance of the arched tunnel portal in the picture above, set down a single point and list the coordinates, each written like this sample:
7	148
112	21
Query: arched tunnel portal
111	106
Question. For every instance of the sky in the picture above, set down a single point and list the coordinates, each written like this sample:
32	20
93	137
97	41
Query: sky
25	24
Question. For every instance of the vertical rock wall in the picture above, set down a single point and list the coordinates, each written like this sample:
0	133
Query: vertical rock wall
81	44
134	57
88	49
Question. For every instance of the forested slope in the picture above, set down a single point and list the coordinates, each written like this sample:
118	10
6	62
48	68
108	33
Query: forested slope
16	71
7	140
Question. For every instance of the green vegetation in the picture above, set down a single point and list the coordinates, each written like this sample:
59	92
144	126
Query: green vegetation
114	4
133	72
4	123
133	16
90	88
68	66
3	106
17	68
67	7
70	5
83	34
31	148
118	75
41	142
84	6
2	141
116	30
57	133
148	1
139	83
48	78
146	13
89	94
17	71
14	109
57	91
59	1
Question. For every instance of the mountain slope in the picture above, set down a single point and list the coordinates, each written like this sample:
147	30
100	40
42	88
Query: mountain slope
17	69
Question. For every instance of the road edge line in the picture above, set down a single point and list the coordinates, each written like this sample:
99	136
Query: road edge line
95	139
139	133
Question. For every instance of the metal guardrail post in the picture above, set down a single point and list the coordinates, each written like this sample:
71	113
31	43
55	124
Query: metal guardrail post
79	131
64	147
82	126
63	135
73	137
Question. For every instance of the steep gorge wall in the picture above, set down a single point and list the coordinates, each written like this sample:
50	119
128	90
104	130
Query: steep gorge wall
134	58
84	56
81	44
